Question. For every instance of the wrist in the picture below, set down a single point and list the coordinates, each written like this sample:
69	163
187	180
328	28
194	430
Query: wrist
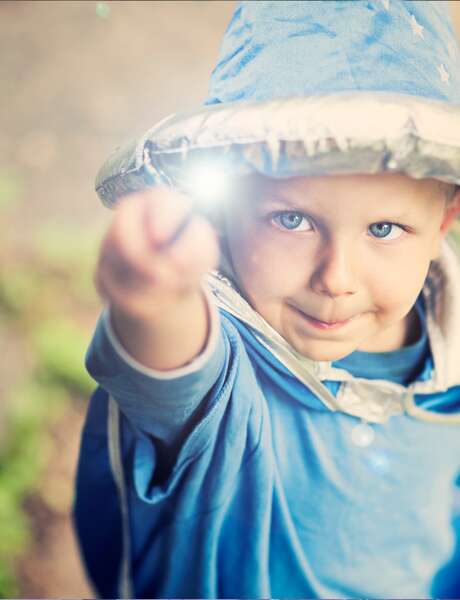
165	339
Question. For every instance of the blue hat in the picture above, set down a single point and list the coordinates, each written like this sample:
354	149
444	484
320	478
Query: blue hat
282	49
315	88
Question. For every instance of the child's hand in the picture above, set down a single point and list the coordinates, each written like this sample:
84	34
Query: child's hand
140	270
151	278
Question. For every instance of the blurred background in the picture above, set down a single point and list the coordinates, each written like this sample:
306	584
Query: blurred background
76	80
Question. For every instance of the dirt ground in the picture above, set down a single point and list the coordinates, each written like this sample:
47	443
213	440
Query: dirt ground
77	79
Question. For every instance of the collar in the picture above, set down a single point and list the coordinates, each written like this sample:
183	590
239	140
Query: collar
374	400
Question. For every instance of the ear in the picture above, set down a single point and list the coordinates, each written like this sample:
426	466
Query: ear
451	213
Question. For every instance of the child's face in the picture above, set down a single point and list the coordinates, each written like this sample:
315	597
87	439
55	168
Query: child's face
335	264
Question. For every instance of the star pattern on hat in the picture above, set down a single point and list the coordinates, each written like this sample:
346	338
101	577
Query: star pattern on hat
417	29
443	74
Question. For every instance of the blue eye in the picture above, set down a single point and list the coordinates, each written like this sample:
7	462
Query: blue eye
384	230
292	220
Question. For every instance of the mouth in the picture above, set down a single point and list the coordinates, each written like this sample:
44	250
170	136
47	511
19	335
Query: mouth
325	325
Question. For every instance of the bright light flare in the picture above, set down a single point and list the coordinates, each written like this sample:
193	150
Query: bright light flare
208	182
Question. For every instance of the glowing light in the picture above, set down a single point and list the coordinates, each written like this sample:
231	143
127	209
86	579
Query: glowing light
207	182
362	435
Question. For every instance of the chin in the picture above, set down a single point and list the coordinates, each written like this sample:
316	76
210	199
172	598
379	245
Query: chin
323	352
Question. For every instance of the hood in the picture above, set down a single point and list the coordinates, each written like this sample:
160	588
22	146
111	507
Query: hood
313	88
321	88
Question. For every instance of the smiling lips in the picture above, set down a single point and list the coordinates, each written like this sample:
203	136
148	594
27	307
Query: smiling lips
318	324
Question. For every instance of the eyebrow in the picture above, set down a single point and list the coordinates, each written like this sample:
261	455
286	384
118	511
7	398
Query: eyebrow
275	197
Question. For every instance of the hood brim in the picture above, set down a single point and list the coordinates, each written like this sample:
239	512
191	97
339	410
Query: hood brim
346	133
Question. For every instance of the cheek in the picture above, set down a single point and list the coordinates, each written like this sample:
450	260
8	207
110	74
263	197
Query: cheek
398	282
269	271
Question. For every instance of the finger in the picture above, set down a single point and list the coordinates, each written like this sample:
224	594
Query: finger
126	249
164	210
195	251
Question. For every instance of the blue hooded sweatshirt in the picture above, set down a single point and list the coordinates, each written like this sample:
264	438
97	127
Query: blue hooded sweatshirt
229	478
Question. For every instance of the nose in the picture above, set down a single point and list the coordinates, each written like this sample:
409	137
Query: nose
334	274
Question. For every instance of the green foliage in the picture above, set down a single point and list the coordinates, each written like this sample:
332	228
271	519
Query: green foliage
14	526
67	245
10	188
8	585
18	290
71	253
22	459
46	300
60	349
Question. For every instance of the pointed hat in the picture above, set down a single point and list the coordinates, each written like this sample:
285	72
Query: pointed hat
314	88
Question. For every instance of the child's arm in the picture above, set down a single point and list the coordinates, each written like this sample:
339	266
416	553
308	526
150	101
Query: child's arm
157	307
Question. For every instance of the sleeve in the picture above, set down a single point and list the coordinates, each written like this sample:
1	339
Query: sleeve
159	403
175	499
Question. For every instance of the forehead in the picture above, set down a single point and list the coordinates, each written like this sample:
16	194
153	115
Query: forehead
388	190
340	184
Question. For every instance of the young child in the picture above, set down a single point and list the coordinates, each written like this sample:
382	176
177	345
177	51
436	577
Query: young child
288	426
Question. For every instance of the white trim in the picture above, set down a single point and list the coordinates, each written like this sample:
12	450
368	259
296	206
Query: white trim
195	365
429	416
231	301
113	428
379	399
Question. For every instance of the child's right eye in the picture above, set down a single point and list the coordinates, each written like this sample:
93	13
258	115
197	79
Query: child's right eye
291	221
